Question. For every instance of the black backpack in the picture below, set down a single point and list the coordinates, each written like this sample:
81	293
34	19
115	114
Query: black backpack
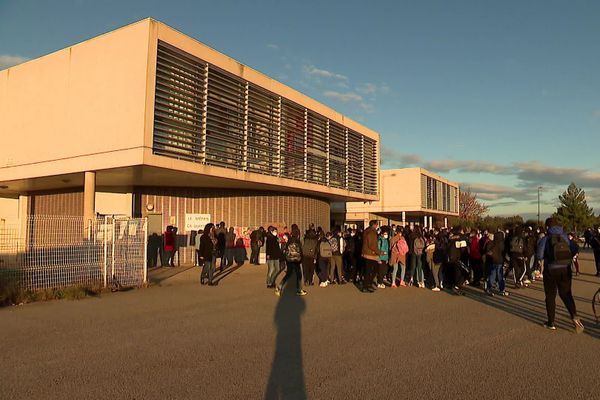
454	252
559	250
293	252
517	245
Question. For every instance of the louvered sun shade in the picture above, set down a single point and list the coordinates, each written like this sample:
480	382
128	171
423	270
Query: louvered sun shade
204	114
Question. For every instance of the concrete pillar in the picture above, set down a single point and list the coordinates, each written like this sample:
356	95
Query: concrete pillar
445	222
425	221
430	222
403	218
89	199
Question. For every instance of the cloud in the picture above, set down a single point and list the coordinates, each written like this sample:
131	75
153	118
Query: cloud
323	73
491	192
7	60
272	46
535	172
347	97
372	89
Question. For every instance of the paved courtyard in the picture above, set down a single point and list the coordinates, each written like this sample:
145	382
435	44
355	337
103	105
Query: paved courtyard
237	340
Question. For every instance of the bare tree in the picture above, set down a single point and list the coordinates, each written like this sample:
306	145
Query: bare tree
471	209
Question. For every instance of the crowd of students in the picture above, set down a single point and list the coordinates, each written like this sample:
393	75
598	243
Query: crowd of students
382	257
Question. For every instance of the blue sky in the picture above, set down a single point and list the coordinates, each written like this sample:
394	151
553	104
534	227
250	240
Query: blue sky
502	96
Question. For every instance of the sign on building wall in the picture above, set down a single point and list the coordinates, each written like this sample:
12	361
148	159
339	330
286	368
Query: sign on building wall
196	222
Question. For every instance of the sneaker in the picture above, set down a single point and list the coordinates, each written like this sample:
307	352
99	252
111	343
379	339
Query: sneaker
489	293
301	293
402	284
277	291
503	293
422	285
578	325
323	284
394	285
550	326
527	281
435	289
381	286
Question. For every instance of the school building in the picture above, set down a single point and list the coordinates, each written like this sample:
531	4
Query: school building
145	121
408	197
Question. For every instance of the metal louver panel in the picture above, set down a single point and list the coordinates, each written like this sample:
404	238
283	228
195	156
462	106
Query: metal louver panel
355	162
370	166
292	140
225	119
205	114
337	156
316	143
263	119
178	104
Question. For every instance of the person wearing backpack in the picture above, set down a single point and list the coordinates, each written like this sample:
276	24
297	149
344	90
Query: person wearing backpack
494	256
293	256
336	265
438	259
325	254
309	256
350	254
398	256
517	259
557	253
416	258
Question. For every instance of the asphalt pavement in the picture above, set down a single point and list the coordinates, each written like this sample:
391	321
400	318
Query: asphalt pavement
237	340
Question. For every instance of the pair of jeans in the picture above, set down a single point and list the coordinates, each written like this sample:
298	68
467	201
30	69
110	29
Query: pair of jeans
370	271
436	271
208	270
323	272
496	273
254	254
416	268
336	265
382	270
558	279
308	266
292	268
395	268
272	271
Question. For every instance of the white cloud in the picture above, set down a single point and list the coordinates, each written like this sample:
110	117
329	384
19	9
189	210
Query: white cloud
272	46
323	73
348	97
7	60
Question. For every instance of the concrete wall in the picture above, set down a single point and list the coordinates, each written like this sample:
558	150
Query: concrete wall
63	112
9	209
114	203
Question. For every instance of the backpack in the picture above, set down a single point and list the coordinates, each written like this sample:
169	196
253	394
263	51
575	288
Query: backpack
419	245
310	247
325	249
454	252
516	245
560	251
402	247
293	252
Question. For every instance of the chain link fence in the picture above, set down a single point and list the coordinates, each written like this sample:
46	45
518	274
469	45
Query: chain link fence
44	252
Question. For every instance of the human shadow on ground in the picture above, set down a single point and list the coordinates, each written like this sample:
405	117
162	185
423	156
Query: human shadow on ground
534	310
287	371
222	274
157	275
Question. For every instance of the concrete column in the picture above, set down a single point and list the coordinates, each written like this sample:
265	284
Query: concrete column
403	218
89	199
430	222
445	222
425	221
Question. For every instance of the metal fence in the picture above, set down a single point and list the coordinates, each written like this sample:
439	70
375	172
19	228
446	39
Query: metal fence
44	252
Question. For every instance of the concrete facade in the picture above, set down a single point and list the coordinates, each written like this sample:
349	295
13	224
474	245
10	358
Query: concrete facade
408	196
79	129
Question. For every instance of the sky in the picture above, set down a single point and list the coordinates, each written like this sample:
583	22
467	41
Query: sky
500	96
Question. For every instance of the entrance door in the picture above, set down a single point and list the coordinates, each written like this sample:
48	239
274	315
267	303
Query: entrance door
155	229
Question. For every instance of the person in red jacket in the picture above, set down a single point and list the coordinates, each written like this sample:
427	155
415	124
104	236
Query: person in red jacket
475	259
169	245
